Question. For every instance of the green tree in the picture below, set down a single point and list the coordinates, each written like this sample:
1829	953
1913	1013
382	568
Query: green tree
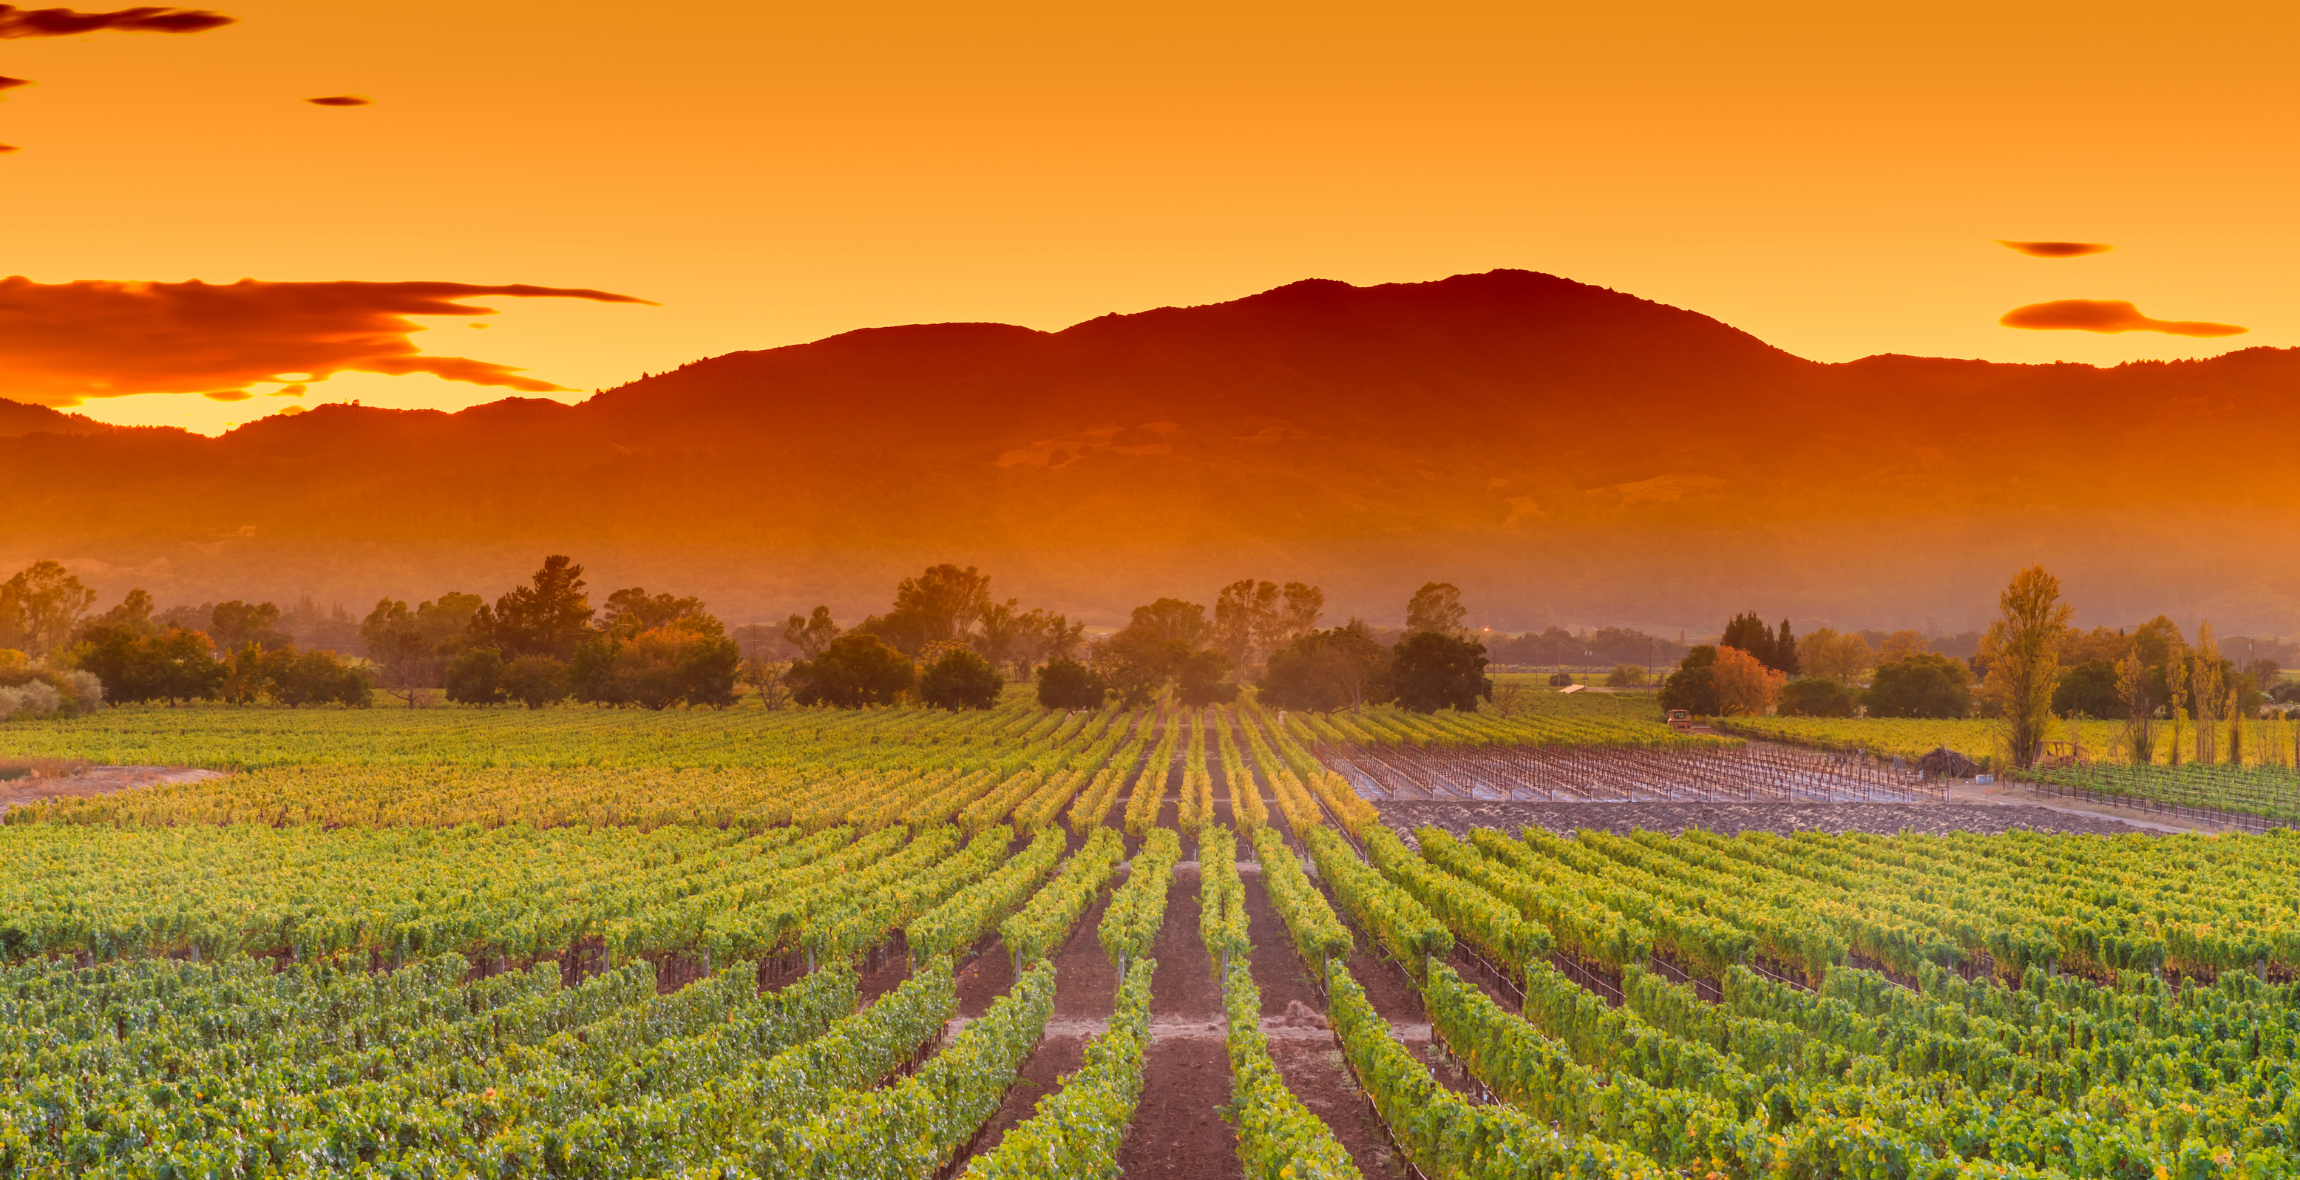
1436	608
1815	697
40	608
961	679
1171	620
1341	667
1245	614
314	678
1749	633
234	625
1433	669
2023	652
396	643
811	633
1784	651
476	677
1067	684
2091	689
1923	685
856	669
1202	680
1138	661
535	681
1693	686
176	665
629	612
546	618
133	614
939	606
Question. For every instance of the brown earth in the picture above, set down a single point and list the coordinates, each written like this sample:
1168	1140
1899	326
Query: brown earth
1085	994
89	783
1932	819
1177	1130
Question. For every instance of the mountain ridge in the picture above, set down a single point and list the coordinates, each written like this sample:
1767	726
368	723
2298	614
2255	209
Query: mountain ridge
1562	451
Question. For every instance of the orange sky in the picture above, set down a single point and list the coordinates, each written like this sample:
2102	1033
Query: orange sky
1829	177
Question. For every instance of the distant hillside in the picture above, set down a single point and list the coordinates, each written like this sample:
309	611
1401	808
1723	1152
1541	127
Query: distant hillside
18	419
1563	452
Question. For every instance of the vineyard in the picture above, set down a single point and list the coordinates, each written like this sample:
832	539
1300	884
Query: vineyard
1158	942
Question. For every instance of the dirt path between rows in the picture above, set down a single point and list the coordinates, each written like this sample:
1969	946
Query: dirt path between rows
1085	994
90	783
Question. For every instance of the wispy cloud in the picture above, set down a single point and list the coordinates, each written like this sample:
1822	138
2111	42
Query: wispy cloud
342	100
2056	249
63	22
61	343
2106	315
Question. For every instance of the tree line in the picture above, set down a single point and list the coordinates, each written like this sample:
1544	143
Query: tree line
2031	670
945	640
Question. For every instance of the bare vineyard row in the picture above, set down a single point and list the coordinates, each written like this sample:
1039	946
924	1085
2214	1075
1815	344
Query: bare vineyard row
1547	774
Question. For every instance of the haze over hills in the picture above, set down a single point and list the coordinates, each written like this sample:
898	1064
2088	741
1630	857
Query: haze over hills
1561	451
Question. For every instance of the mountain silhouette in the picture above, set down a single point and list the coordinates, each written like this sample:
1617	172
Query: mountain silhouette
1562	452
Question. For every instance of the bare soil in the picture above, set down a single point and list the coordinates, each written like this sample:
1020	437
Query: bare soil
1314	1071
1177	1130
1184	987
1930	819
54	781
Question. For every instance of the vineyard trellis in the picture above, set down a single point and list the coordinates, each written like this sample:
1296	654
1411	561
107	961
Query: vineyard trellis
1603	774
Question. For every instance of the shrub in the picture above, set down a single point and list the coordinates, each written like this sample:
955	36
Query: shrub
1816	698
960	679
855	670
1625	676
476	677
1929	686
535	681
1068	684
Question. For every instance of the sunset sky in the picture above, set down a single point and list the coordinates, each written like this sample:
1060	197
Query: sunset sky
1832	178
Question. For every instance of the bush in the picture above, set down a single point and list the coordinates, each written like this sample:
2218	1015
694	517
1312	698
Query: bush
476	677
961	680
1068	684
1815	698
535	681
668	665
855	670
1927	686
315	678
1625	676
1560	679
29	691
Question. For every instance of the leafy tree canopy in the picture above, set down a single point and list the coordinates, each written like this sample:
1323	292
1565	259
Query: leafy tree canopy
1433	669
1924	685
960	679
856	669
1068	684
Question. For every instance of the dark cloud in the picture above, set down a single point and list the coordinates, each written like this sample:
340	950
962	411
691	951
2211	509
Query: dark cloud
2056	249
341	100
2106	315
7	83
9	147
64	342
63	22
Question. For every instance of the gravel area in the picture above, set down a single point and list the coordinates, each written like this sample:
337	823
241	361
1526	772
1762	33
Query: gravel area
1931	819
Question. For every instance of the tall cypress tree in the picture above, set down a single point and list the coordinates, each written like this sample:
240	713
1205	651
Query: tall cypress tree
1785	651
1750	634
